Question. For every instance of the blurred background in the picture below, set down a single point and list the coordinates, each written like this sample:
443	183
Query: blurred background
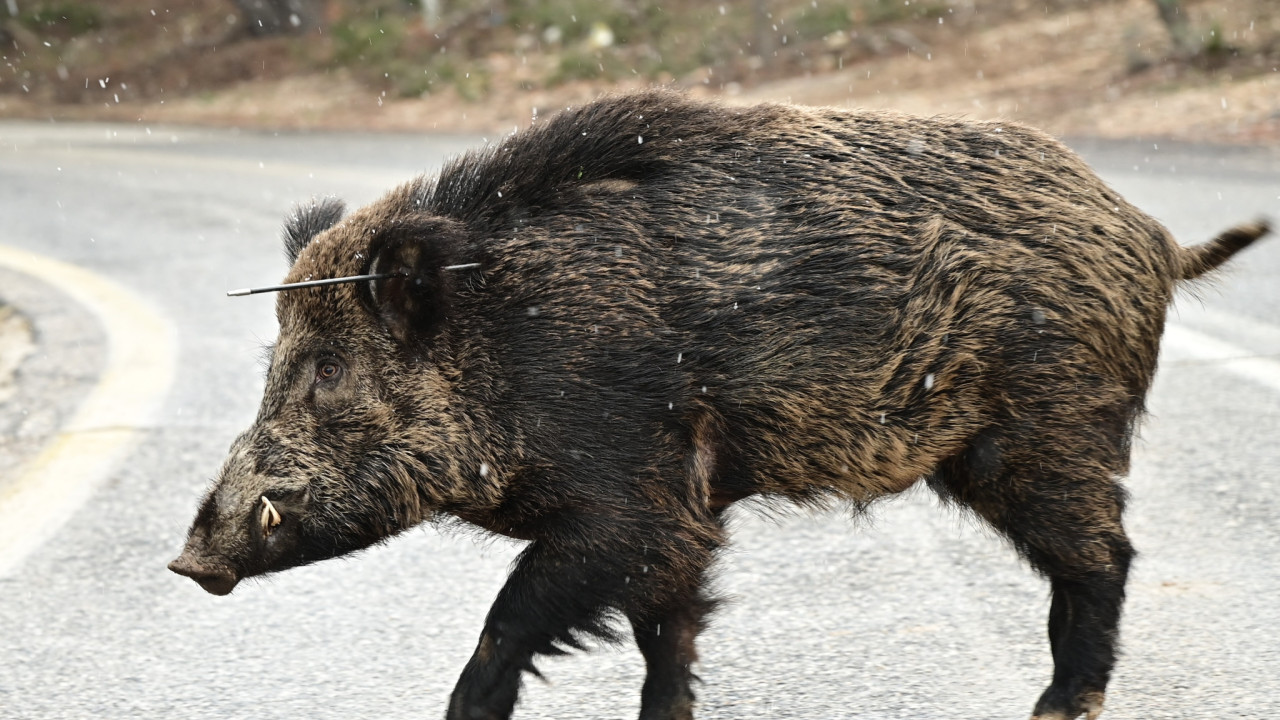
912	612
1202	70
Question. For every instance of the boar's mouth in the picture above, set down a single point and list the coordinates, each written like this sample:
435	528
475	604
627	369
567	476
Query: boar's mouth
216	579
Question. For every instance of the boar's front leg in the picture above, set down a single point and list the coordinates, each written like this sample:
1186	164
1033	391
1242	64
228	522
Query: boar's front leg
666	639
563	587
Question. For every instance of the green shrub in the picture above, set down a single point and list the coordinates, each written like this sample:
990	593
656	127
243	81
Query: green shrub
369	42
1214	43
888	11
573	17
410	78
823	18
69	18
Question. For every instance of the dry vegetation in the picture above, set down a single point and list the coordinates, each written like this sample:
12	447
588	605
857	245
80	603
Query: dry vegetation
1096	67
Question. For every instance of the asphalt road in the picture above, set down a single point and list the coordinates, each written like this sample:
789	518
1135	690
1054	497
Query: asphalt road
915	612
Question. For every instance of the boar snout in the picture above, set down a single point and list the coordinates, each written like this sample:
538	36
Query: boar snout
216	579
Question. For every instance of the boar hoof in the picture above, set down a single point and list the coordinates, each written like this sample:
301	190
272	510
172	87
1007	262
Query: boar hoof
1088	703
487	690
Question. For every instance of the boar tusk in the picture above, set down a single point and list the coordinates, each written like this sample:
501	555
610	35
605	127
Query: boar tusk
270	516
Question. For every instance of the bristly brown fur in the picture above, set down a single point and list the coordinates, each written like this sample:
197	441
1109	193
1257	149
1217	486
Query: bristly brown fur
680	305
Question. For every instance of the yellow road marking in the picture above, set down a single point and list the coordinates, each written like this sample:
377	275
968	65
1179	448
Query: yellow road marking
139	370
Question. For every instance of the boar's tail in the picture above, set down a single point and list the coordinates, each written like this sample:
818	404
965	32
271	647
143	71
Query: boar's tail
1196	261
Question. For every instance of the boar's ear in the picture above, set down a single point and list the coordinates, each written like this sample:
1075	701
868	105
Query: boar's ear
308	221
415	303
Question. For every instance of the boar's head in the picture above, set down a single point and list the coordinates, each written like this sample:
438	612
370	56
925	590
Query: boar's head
356	438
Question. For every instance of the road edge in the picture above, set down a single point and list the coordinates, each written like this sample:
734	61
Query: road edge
137	375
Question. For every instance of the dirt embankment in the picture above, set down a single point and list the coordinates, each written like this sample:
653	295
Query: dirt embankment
1093	68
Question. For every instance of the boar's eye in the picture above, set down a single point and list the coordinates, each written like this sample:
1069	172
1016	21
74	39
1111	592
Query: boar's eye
327	371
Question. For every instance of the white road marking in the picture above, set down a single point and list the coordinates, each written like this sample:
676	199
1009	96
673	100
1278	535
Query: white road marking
1232	358
142	352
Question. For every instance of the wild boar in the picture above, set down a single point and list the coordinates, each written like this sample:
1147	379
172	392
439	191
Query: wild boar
603	331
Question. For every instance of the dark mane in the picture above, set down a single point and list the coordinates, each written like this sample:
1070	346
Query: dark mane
308	221
634	138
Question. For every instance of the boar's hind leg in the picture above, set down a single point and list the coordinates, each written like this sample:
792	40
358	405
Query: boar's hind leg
1063	514
563	588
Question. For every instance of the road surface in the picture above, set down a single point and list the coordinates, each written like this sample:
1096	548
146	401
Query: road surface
912	612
